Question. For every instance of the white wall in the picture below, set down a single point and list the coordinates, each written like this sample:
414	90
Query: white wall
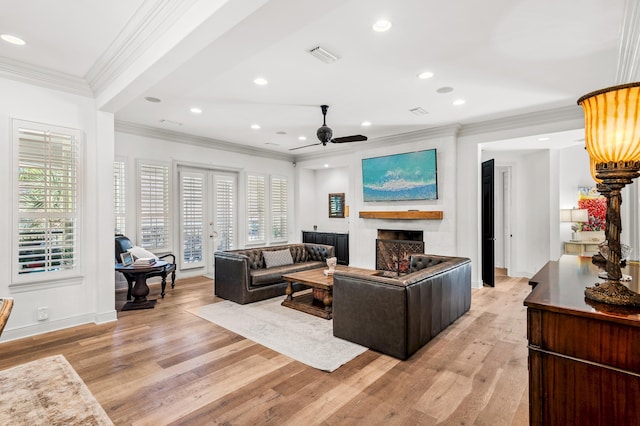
90	296
326	181
574	172
439	235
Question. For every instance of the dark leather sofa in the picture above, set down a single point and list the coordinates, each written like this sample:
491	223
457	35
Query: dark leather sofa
242	275
399	315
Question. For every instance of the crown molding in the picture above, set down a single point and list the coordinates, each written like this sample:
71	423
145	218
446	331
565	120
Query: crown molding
173	136
144	28
20	71
520	121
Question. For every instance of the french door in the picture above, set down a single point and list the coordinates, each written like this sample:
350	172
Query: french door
208	211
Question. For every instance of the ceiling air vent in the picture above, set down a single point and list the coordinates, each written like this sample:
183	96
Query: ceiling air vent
170	122
324	55
418	111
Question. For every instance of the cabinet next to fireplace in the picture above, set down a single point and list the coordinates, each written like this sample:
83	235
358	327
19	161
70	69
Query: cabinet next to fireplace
339	241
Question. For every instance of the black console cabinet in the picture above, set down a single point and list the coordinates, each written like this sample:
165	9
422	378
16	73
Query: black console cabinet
339	241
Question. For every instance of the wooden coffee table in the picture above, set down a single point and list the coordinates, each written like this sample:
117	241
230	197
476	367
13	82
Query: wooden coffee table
315	278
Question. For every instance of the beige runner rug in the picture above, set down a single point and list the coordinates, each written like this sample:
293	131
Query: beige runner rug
47	391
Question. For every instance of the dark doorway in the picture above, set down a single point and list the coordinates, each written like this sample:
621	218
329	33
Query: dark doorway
488	236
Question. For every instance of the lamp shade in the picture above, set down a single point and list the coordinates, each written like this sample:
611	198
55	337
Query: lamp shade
579	215
611	123
565	215
592	169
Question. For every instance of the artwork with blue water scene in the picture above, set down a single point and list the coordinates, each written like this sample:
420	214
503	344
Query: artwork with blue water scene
400	177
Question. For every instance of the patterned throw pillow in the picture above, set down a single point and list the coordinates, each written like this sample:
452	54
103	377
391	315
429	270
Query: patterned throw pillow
277	258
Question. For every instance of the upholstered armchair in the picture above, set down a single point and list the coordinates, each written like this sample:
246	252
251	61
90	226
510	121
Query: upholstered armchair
123	244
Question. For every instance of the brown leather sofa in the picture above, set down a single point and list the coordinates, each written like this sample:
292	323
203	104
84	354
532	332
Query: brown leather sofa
242	275
399	315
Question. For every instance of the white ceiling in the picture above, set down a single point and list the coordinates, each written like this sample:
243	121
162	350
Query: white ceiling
503	57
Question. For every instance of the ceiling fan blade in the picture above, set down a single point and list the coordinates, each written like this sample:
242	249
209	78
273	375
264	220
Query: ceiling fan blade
353	138
305	146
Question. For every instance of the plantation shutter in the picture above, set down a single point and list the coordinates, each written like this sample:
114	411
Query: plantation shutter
256	208
279	193
193	219
47	205
119	196
225	212
154	207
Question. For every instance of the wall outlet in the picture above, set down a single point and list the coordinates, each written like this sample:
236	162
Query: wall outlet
43	313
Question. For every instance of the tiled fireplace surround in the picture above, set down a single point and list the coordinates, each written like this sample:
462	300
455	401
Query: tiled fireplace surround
394	247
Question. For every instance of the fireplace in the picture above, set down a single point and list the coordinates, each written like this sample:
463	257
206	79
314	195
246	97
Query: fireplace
394	247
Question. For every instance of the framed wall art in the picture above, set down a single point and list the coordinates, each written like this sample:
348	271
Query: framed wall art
401	177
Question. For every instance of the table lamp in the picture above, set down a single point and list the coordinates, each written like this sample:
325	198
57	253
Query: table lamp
612	139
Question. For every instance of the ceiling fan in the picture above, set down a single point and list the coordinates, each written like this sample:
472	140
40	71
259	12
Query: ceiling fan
325	134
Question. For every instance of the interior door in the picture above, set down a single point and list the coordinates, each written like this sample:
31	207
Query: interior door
488	222
208	210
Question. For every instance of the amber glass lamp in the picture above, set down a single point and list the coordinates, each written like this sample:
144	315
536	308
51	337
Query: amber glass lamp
612	138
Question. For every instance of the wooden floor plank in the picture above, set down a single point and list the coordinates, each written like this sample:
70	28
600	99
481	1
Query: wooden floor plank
168	366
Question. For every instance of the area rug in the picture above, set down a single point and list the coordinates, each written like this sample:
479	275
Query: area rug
303	337
47	391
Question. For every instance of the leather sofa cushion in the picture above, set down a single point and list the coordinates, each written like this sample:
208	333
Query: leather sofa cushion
262	277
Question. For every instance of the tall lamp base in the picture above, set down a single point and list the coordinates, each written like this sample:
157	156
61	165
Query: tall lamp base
613	293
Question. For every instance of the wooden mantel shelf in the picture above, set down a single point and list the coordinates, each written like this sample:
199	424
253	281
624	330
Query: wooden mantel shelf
406	214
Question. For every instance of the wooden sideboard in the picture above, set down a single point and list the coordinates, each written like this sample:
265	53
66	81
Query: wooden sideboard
584	357
339	241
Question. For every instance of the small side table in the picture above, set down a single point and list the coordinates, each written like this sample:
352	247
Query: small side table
140	288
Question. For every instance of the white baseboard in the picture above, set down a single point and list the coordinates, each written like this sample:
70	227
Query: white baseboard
47	326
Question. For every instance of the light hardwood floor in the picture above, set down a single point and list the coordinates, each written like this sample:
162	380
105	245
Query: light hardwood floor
167	366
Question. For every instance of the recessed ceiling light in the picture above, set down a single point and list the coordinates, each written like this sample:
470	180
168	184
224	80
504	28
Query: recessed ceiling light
326	166
459	102
302	138
196	110
445	89
366	124
261	81
255	126
381	26
152	99
425	75
544	138
13	39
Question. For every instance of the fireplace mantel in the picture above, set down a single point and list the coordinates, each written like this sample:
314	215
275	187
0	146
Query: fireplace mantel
403	215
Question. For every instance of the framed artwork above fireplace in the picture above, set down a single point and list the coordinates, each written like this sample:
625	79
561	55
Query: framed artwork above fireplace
401	177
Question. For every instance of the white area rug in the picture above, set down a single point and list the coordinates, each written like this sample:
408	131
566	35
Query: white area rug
303	337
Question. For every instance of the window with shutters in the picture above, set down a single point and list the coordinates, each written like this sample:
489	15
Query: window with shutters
225	214
119	196
279	192
154	224
193	219
47	217
256	209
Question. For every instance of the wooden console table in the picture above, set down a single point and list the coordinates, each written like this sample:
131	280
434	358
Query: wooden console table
584	357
